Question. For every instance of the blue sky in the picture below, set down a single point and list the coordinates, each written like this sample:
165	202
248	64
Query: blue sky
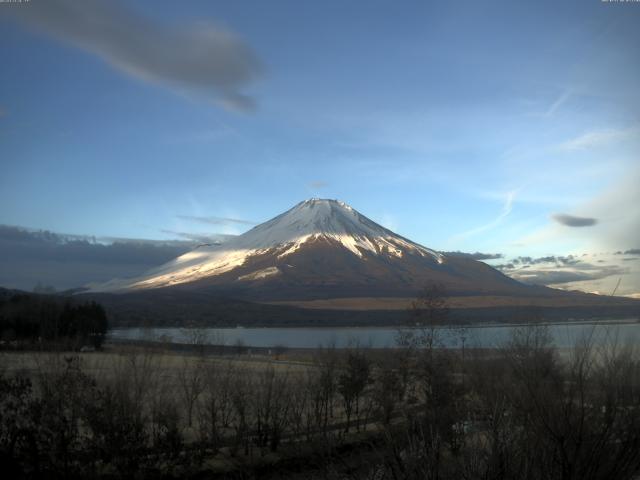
462	125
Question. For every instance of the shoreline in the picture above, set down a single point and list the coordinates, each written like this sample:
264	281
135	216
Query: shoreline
452	326
232	339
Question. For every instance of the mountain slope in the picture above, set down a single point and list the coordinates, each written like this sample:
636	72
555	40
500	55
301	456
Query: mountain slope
321	249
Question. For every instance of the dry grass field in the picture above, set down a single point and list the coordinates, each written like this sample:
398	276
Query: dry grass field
471	301
412	412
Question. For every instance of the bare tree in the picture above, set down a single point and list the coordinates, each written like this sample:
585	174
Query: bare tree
385	391
428	311
197	337
241	390
327	370
191	374
300	406
216	409
191	383
352	381
271	403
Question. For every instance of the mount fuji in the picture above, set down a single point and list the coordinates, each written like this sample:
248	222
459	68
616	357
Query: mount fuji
320	249
322	261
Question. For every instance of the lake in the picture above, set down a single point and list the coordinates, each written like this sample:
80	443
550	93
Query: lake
563	335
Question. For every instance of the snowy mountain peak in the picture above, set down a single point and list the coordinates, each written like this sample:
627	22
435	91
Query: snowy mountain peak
316	202
308	222
315	217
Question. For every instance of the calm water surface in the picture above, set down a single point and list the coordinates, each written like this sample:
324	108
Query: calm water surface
564	335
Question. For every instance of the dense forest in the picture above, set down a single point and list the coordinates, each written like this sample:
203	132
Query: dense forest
46	320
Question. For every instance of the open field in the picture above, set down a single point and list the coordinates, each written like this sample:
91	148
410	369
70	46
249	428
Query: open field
108	362
471	301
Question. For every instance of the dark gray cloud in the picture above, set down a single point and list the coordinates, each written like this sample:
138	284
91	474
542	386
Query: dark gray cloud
572	221
555	259
216	220
203	58
476	255
504	266
633	251
65	261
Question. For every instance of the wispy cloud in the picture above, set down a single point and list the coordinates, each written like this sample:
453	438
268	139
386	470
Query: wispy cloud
214	239
317	184
558	103
598	138
216	220
212	135
506	210
573	221
202	58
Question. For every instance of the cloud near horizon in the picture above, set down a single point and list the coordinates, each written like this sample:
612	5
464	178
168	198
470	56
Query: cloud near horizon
557	277
32	257
60	261
555	270
573	221
202	58
476	255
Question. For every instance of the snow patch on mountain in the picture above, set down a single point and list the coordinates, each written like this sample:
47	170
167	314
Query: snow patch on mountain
260	274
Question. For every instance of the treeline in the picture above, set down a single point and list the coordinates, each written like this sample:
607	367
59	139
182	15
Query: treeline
524	411
28	319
